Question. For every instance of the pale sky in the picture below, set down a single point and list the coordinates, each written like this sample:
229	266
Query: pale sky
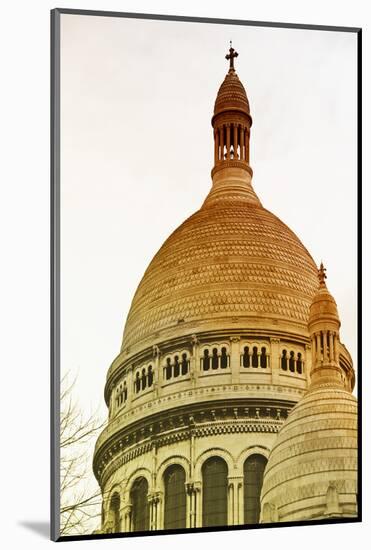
137	98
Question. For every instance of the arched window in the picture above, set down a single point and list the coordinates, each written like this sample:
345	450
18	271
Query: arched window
150	376
214	492
206	360
224	359
253	471
184	363
255	358
168	369
284	360
176	366
137	382
292	361
299	364
246	357
139	501
114	512
215	359
263	358
144	379
175	498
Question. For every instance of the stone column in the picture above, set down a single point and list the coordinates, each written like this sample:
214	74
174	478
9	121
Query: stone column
242	154
231	493
331	338
222	143
194	365
324	339
275	360
235	503
235	141
318	347
216	152
130	386
197	500
159	524
235	359
240	503
157	378
126	518
314	351
336	348
308	361
228	141
247	152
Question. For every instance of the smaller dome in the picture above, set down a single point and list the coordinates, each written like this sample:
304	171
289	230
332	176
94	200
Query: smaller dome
312	469
323	309
231	95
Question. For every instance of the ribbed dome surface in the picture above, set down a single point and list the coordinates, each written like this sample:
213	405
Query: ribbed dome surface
323	306
232	259
316	447
231	95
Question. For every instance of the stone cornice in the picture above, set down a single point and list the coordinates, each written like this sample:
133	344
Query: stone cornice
202	419
206	429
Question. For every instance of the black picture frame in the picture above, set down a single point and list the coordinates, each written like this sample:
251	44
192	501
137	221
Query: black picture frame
55	260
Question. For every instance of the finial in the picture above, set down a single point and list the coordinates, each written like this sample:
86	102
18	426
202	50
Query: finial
322	275
232	54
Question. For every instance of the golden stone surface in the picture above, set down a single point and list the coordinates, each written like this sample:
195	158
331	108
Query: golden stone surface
316	447
233	258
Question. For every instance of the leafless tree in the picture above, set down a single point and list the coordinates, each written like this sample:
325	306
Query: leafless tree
80	496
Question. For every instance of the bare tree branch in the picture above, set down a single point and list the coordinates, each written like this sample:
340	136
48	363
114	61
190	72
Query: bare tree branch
80	503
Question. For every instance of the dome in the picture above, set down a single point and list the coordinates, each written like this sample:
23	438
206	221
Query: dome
312	468
323	308
231	95
232	261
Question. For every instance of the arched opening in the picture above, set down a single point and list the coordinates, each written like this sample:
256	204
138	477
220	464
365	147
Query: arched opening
175	498
150	376
246	357
255	358
224	359
263	358
253	471
168	369
176	366
292	361
137	382
139	501
114	512
284	360
144	379
299	364
184	364
206	360
214	492
215	359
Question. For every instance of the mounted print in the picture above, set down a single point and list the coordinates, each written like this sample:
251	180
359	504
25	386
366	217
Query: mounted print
205	348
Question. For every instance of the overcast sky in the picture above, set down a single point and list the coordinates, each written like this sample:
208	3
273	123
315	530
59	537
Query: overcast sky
136	152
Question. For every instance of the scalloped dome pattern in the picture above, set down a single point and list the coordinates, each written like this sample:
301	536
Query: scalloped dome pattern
231	95
229	259
316	445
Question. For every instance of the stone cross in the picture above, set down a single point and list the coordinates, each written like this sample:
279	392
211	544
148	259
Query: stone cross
232	54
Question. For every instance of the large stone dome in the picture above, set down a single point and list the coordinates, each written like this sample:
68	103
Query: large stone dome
312	469
232	261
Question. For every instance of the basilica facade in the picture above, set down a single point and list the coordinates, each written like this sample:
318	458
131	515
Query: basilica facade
230	401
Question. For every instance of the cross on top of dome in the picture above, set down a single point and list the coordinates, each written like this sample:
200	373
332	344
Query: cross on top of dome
232	54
